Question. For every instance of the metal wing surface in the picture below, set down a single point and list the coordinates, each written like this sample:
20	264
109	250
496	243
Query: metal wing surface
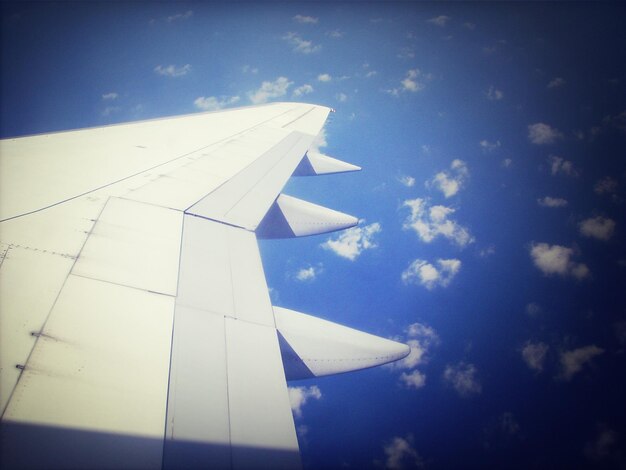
136	326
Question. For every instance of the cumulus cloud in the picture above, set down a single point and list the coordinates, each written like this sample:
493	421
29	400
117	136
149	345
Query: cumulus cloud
407	181
249	69
110	110
110	96
533	309
541	134
324	77
450	183
420	338
410	82
213	103
601	228
270	90
552	202
605	445
400	453
352	242
414	81
494	94
300	45
303	90
572	362
463	378
432	222
172	70
180	16
606	185
557	259
489	146
414	379
618	121
335	34
560	166
557	82
534	355
305	19
309	274
421	272
440	20
299	396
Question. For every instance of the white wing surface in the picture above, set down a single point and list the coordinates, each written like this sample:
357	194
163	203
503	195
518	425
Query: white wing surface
136	329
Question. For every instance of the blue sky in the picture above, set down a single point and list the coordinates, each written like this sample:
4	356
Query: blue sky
492	141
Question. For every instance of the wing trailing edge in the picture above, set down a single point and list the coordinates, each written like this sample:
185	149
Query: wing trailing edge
312	347
315	163
290	217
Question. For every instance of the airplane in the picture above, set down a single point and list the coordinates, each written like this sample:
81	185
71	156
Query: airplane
136	327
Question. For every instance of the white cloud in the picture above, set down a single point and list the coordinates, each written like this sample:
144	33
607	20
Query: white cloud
489	146
110	110
606	185
432	222
559	165
407	181
270	90
371	73
507	163
420	339
534	355
423	273
172	70
110	96
552	202
249	69
556	83
618	121
335	34
599	227
463	377
414	379
572	362
410	83
180	16
494	94
440	20
309	274
488	251
298	396
324	77
400	454
305	19
303	90
212	103
352	242
541	134
450	183
556	259
341	97
603	446
533	309
414	81
300	45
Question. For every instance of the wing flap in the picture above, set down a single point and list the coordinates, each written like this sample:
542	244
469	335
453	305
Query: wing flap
245	199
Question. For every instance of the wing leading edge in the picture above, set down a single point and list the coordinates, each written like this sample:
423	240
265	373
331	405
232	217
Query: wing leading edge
153	342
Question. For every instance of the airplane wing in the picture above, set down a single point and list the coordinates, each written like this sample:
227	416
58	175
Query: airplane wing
136	329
